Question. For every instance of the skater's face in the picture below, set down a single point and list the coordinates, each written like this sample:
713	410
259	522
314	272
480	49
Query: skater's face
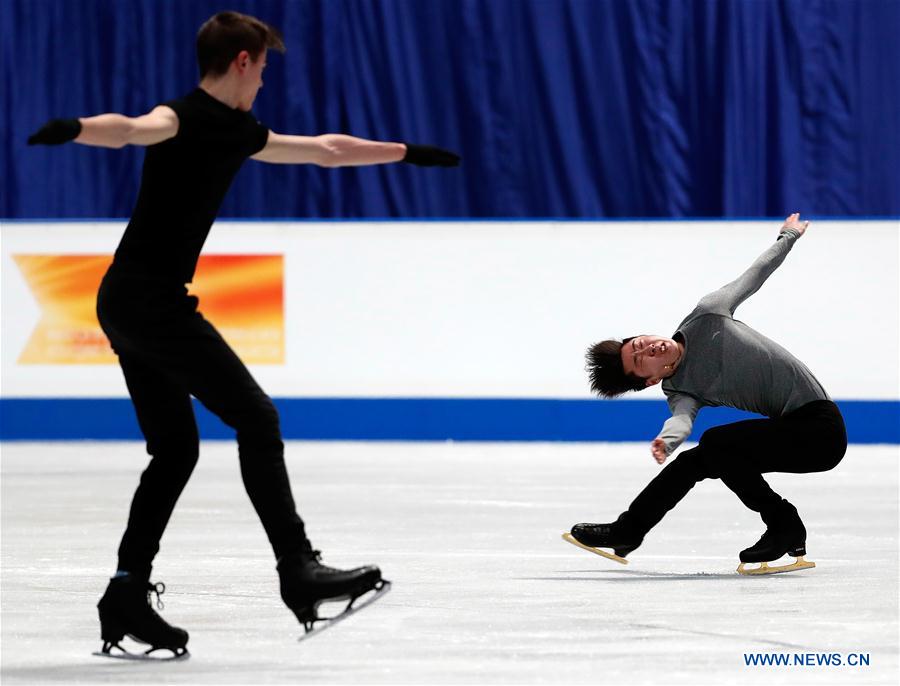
250	77
652	358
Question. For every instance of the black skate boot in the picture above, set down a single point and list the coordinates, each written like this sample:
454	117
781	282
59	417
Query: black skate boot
785	534
306	583
125	609
622	535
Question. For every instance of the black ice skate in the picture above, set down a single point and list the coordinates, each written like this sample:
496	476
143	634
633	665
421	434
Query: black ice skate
785	534
306	584
125	609
619	535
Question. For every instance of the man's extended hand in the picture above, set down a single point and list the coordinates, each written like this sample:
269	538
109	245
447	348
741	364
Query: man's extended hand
793	222
430	156
56	132
658	450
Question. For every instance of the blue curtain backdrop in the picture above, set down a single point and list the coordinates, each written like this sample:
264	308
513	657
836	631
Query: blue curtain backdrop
560	108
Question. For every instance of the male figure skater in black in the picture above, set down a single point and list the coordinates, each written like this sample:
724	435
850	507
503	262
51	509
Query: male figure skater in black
713	359
169	352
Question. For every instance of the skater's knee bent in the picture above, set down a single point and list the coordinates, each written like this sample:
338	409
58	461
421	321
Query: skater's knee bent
177	447
260	426
836	447
170	467
829	460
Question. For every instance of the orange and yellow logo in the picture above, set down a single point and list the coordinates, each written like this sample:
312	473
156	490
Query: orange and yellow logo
242	295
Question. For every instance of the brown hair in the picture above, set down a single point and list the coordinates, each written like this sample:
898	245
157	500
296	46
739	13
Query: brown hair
604	366
225	34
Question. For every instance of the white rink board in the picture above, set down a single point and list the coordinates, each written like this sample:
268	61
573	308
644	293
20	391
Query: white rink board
485	591
506	309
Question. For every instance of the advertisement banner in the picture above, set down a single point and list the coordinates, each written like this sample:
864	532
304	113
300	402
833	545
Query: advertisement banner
242	294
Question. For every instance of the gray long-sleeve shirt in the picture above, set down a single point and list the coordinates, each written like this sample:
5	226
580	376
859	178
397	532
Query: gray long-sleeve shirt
727	363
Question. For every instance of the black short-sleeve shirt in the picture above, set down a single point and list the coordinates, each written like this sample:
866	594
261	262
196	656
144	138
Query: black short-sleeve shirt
183	183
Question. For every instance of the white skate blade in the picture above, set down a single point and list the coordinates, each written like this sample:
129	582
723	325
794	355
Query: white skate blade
364	600
602	553
764	568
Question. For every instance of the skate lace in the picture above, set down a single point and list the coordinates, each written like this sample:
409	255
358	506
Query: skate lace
323	568
158	588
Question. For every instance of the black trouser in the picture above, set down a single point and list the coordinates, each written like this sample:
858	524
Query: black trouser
810	439
168	353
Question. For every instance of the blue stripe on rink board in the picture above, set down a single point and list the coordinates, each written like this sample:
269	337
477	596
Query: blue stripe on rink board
417	419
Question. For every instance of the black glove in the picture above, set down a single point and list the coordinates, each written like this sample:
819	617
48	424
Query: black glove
55	132
430	156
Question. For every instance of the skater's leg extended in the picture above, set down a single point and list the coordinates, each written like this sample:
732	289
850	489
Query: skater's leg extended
218	379
667	489
223	384
662	494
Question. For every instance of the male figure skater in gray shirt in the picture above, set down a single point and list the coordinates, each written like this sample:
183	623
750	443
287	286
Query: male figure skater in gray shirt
713	359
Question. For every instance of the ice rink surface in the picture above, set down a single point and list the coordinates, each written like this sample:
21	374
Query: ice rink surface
485	591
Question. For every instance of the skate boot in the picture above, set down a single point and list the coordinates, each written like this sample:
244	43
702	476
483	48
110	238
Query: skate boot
622	535
306	583
125	609
785	534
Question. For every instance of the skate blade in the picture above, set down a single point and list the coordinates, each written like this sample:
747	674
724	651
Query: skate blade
764	568
602	553
147	656
319	625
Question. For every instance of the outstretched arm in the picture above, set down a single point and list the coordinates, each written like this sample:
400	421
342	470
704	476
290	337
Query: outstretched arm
110	130
338	150
733	294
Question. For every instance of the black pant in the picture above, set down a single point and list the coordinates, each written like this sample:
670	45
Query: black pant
168	353
810	439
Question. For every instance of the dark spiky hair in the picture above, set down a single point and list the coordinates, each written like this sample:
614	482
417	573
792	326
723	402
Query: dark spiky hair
604	366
